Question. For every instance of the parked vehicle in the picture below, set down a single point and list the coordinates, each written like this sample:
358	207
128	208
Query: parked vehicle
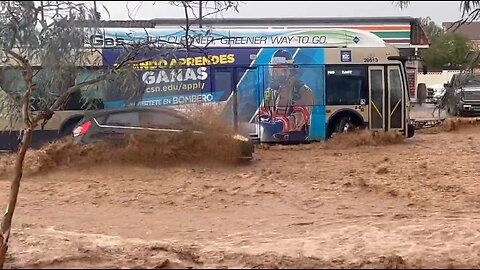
435	93
117	123
462	95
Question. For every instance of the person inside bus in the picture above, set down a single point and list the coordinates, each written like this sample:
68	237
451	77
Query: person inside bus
286	109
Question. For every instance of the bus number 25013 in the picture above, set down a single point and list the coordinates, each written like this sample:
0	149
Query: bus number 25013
370	59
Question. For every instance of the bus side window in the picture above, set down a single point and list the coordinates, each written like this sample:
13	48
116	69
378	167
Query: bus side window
223	81
89	97
346	85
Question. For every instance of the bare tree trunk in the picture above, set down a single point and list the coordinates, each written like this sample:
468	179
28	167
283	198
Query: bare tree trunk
15	187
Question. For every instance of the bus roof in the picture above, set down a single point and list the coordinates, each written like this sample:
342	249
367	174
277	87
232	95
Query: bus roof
233	38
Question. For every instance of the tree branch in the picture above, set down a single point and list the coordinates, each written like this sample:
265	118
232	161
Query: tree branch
28	77
47	114
187	22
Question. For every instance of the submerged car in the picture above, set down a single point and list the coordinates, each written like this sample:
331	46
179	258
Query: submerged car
117	123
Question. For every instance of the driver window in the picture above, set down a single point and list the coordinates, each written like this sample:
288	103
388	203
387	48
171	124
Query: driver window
127	119
162	120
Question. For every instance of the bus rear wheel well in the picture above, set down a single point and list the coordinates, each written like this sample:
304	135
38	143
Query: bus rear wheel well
342	116
66	128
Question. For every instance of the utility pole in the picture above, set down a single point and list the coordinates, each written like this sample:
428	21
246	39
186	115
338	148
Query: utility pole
200	9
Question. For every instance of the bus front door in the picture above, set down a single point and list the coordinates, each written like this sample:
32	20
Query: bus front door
396	112
376	87
386	98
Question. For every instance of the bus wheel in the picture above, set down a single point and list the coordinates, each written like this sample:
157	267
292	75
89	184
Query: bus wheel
345	125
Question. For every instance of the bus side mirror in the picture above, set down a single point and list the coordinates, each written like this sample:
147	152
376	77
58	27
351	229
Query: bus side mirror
425	69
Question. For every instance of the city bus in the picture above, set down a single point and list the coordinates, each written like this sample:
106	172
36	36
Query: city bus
277	85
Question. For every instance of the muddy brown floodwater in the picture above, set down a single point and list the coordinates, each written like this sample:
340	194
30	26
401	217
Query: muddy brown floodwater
363	203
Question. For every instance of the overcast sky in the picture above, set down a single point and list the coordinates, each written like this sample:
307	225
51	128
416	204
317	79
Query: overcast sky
439	11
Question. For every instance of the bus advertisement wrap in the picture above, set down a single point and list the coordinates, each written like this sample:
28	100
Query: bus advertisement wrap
207	38
279	90
183	79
